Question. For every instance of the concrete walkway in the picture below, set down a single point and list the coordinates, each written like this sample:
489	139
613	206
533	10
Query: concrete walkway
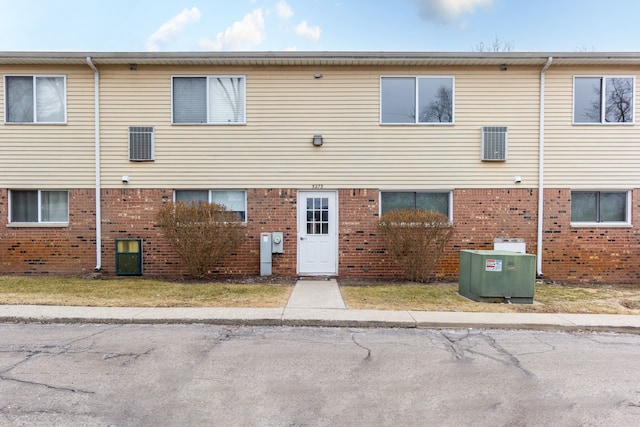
314	294
319	303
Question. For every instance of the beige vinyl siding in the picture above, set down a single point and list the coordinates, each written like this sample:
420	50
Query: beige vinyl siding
286	106
593	156
51	156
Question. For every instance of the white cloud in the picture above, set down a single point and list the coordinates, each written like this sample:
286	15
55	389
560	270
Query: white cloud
443	11
172	27
241	35
309	33
284	10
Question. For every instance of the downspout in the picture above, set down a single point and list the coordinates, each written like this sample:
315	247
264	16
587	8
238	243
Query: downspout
96	100
541	170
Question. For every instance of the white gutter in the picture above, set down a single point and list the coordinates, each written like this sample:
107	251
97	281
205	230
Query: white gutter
541	170
96	98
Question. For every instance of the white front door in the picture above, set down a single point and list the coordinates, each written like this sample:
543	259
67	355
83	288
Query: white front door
317	233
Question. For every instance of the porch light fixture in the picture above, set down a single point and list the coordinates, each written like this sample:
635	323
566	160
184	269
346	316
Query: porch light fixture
317	140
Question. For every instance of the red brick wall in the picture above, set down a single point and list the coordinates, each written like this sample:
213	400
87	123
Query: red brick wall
595	255
588	254
50	250
130	213
481	215
360	250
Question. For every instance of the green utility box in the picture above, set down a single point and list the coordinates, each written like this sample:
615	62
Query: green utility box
497	276
129	257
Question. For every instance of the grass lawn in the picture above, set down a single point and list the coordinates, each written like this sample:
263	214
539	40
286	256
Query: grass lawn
359	294
138	292
614	299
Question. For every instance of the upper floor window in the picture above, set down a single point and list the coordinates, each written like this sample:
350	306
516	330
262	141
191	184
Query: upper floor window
416	100
431	201
233	200
599	207
209	100
35	99
39	206
603	99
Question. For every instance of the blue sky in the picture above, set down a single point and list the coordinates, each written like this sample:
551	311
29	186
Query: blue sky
318	25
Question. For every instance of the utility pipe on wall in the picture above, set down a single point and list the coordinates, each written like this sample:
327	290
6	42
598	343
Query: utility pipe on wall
96	95
541	169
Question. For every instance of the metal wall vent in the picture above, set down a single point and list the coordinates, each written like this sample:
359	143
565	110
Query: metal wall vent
494	143
141	143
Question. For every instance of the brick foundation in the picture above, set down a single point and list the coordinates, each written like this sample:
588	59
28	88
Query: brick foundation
570	254
51	250
588	254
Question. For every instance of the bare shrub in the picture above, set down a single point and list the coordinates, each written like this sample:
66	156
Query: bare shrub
201	233
415	239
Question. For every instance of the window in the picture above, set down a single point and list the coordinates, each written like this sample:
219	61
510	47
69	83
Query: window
432	201
39	206
603	99
35	99
600	207
233	200
209	100
402	97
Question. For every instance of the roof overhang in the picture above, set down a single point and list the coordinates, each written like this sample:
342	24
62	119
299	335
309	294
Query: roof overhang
296	58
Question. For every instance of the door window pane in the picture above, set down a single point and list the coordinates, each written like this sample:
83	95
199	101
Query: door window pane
317	215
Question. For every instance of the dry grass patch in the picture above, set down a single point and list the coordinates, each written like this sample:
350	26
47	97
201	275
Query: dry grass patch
618	299
138	292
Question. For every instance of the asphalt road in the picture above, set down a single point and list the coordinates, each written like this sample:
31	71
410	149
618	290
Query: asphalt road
193	375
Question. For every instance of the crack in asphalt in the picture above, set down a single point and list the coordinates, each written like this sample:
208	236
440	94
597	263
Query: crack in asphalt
452	345
49	386
57	349
512	359
368	356
460	351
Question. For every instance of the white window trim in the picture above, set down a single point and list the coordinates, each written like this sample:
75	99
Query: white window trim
450	192
602	122
35	113
416	77
617	224
207	77
40	224
209	193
